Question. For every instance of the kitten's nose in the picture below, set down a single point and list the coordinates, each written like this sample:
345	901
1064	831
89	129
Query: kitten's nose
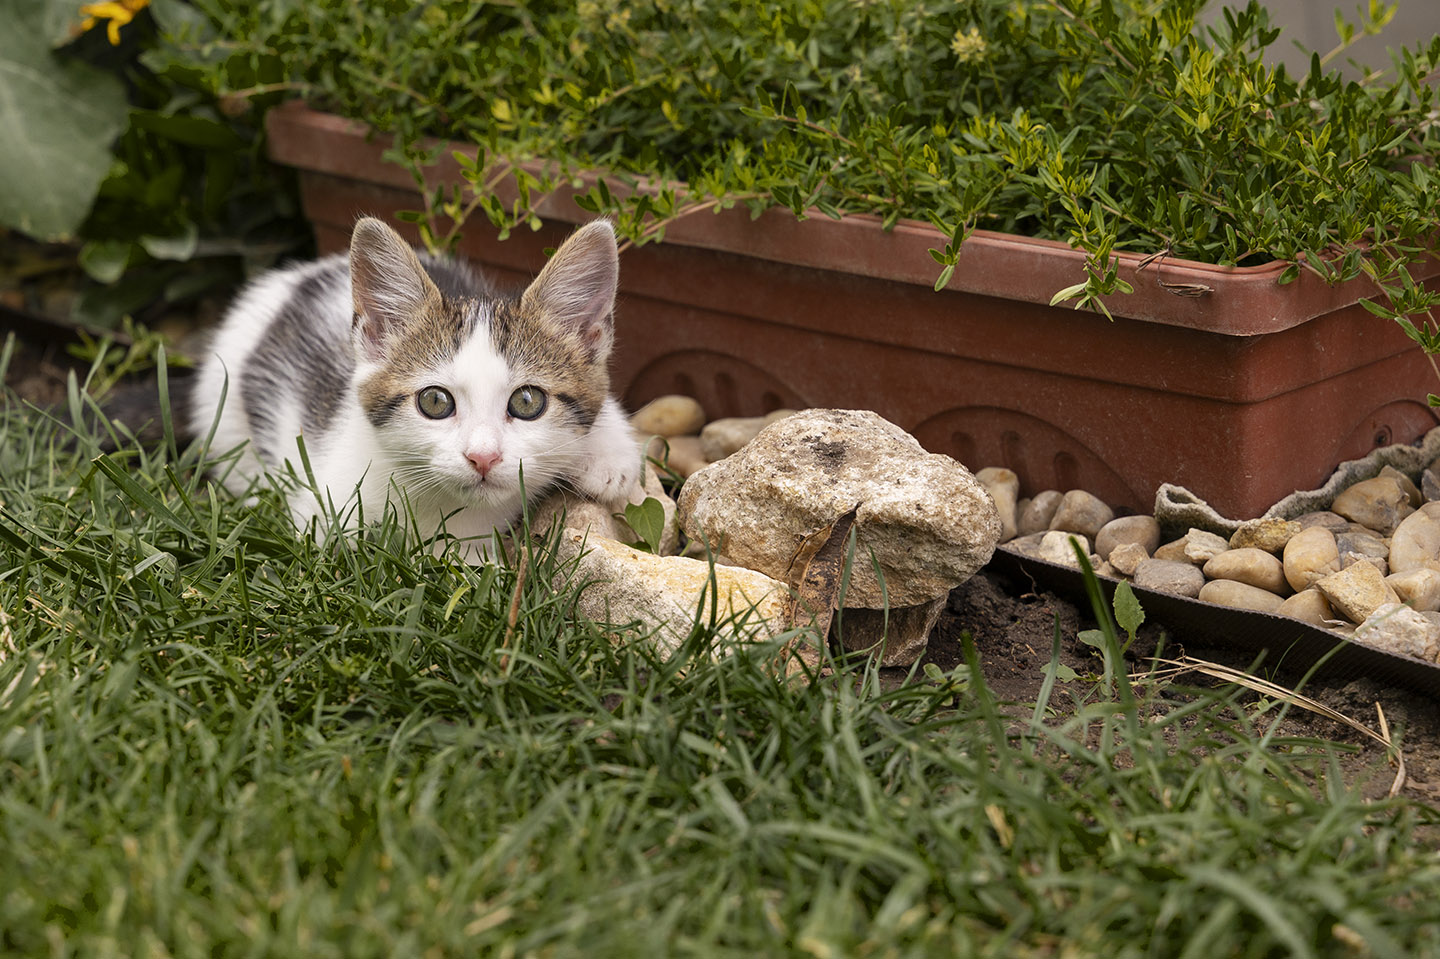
483	461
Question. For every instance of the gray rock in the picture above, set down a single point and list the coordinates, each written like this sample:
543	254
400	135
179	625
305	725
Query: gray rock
1169	576
1004	488
1251	566
927	522
1347	558
1143	531
1310	556
1359	539
670	415
1357	591
1378	503
1229	592
725	437
1039	511
1430	484
1401	630
1081	512
901	634
1416	541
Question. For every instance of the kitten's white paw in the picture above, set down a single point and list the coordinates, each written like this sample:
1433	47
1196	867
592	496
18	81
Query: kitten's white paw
615	476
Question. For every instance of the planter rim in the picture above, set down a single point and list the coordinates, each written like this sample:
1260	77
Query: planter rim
1235	301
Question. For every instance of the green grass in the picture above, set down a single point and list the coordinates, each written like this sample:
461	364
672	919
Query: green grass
219	739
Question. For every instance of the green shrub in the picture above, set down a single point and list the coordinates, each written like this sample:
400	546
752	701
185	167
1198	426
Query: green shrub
1109	124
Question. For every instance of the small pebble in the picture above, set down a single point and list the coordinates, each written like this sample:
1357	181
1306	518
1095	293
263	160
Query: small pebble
1331	521
1195	547
1358	539
1251	566
1310	556
1308	605
1271	535
1348	558
1140	530
1357	592
1416	542
686	456
1169	576
1055	546
1401	630
670	415
1430	483
1035	517
1229	592
1126	557
1378	503
720	438
1081	512
1004	488
1419	588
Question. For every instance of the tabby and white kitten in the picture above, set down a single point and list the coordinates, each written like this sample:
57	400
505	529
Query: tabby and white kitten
413	383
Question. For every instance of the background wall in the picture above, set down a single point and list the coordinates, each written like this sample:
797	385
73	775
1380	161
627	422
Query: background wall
1312	23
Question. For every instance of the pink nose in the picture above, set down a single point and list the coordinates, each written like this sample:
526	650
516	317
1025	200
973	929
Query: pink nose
483	461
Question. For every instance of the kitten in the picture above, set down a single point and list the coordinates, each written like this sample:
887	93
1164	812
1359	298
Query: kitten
414	384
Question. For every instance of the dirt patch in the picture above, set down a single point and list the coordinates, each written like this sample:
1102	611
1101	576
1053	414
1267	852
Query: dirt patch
1013	627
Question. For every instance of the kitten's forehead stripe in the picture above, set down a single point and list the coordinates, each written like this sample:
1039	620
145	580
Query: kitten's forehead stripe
551	355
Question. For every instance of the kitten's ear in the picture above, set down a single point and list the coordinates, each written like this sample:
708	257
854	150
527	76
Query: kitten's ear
387	283
577	286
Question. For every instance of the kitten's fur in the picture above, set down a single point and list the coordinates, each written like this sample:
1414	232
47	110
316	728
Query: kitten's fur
340	351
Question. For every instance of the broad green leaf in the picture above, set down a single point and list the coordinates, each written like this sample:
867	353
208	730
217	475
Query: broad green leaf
59	117
647	520
1128	613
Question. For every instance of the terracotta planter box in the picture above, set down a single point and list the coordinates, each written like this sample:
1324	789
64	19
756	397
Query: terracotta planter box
1243	393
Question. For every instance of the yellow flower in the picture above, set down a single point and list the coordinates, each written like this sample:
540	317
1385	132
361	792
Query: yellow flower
968	46
116	13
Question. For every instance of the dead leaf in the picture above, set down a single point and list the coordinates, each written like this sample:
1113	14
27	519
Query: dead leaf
814	577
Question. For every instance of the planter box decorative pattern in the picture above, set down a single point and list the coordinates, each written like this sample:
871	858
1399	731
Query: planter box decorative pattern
1243	391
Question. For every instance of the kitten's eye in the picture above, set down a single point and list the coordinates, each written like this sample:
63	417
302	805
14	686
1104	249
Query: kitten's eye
435	402
527	403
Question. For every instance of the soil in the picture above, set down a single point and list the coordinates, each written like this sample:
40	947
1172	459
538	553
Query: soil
1013	626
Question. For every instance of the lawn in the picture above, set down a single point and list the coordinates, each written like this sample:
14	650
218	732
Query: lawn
218	738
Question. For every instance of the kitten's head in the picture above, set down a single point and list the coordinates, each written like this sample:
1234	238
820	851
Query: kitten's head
462	387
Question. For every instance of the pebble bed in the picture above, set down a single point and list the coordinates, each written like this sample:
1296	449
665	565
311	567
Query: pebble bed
1368	568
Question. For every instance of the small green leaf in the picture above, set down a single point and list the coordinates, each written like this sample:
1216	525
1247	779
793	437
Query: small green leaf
1128	613
1069	292
647	520
1092	637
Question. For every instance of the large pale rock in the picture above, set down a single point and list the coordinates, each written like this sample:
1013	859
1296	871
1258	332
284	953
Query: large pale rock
1419	589
1308	605
1379	503
1416	541
1081	512
901	635
725	437
577	512
1310	556
1271	535
1229	592
671	415
1251	566
1036	513
926	520
1170	576
1142	531
624	585
1357	591
1399	629
1004	488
